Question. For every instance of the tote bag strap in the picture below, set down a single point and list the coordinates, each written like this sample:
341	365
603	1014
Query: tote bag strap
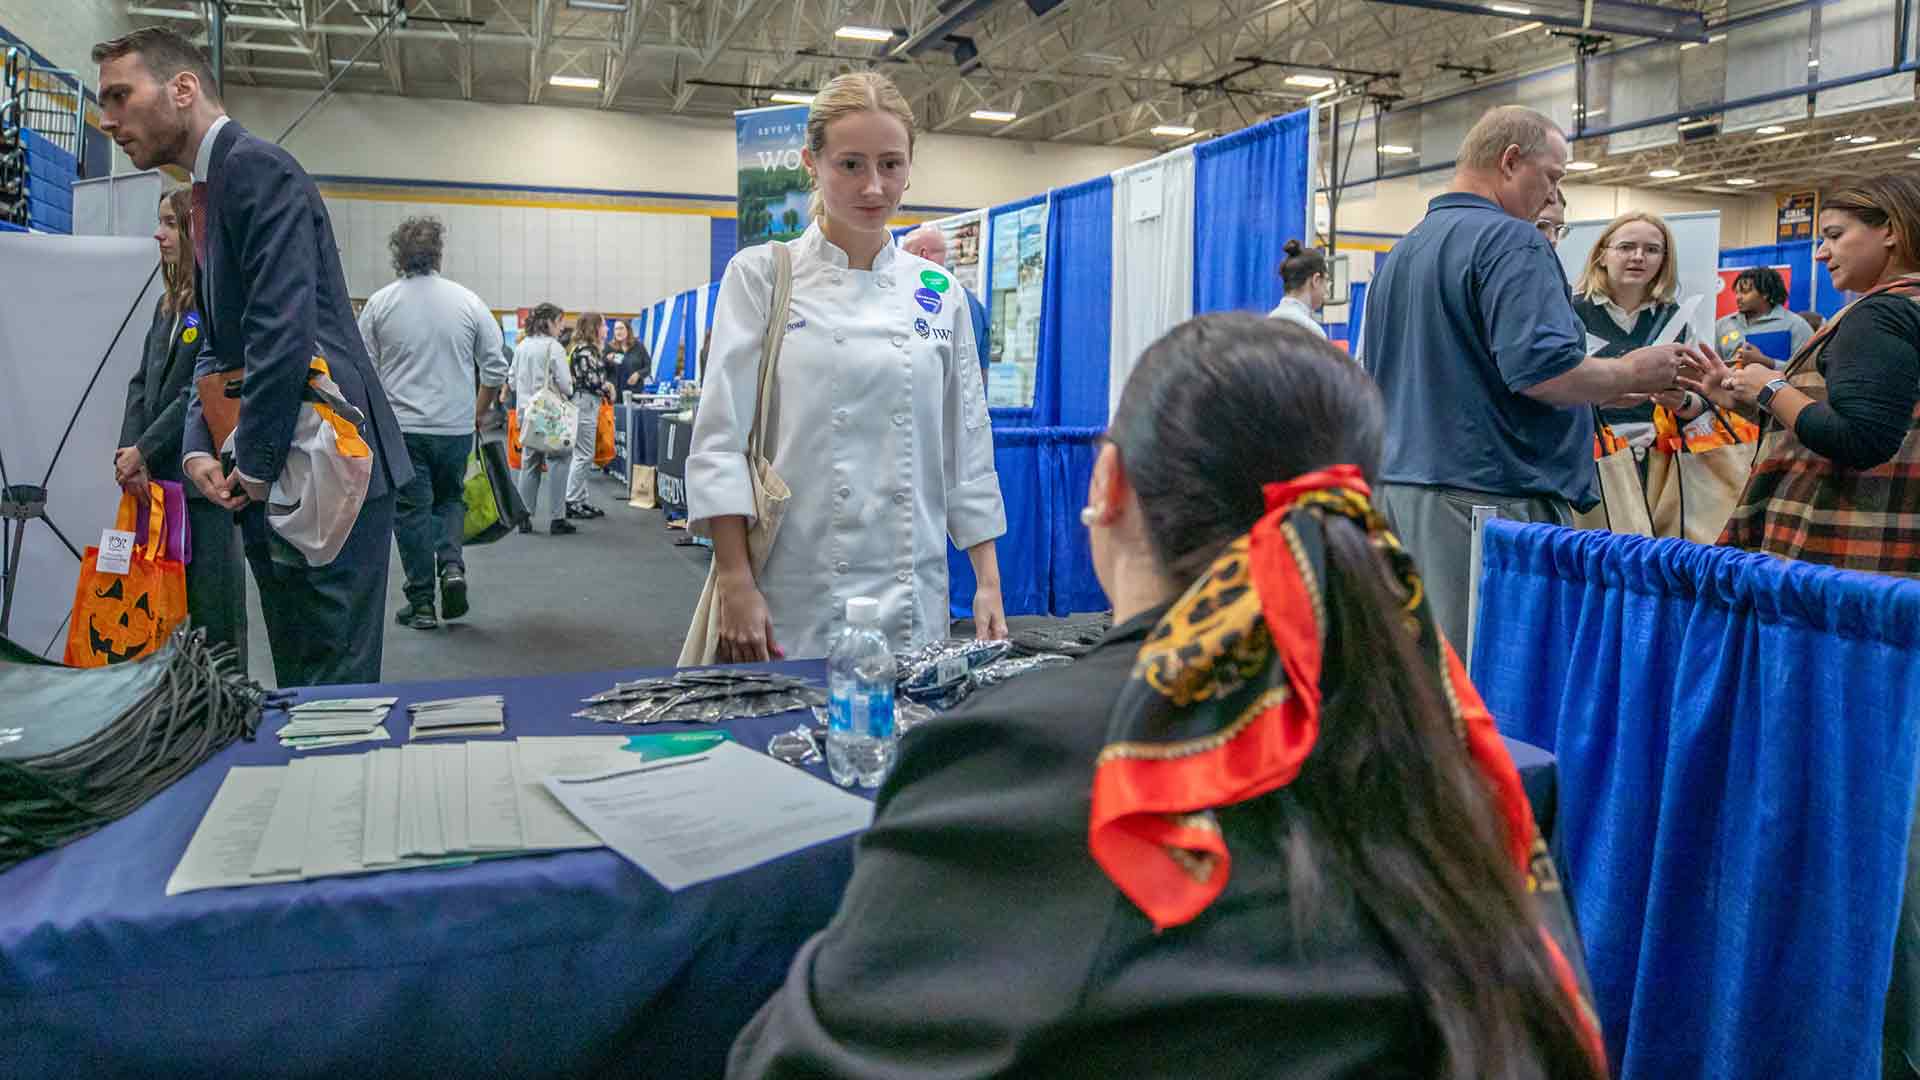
770	353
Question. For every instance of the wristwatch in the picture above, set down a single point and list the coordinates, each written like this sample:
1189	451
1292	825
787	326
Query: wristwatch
1765	396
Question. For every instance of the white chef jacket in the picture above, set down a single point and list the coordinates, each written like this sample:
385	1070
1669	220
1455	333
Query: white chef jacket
879	425
1297	312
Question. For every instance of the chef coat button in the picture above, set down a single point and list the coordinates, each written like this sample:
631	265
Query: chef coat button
899	340
841	568
885	283
837	279
900	497
903	576
899	419
840	336
840	416
845	491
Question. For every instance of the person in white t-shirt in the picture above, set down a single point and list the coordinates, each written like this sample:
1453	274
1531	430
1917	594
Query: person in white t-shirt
1304	275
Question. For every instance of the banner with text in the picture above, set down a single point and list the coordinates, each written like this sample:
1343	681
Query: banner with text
774	188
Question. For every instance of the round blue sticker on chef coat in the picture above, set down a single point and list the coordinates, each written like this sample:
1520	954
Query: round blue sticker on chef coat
192	319
928	299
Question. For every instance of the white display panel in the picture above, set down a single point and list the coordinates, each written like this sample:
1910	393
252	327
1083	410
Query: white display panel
83	285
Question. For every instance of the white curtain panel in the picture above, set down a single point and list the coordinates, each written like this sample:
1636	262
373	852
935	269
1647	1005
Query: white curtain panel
1152	259
1644	83
1856	36
1764	57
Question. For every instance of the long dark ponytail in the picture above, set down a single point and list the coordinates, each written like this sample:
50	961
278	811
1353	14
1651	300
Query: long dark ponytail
1389	804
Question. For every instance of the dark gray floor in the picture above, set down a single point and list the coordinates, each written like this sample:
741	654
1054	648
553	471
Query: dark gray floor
617	594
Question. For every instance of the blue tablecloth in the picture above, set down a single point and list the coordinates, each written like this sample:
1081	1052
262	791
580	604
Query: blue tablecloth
571	963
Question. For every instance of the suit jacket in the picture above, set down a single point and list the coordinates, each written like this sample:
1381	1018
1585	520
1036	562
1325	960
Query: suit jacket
274	297
156	414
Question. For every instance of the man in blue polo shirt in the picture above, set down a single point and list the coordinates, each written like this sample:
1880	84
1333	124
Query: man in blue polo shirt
1482	363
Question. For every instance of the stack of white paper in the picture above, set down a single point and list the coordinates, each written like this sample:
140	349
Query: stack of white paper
390	808
483	714
314	725
681	819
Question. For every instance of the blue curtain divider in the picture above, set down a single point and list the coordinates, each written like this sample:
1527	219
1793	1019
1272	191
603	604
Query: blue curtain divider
1737	742
1070	378
1025	552
1068	458
1810	279
654	325
1046	567
1250	193
713	299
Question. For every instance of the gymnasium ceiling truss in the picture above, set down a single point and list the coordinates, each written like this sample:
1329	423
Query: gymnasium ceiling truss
1134	73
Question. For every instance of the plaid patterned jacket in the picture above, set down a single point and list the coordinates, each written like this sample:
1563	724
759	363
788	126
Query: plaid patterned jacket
1801	505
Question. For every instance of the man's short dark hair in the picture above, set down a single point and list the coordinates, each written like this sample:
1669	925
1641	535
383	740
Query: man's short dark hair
1766	281
417	244
166	54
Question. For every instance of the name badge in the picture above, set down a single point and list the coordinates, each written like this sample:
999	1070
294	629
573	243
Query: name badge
116	552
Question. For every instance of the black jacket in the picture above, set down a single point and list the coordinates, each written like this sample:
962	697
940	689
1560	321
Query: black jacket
274	296
156	414
979	938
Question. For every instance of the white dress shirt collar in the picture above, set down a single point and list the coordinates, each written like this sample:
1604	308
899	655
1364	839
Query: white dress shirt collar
203	160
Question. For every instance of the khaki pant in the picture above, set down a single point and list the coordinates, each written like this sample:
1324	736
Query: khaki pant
1435	524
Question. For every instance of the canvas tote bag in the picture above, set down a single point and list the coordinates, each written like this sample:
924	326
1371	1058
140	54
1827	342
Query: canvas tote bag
770	492
1623	499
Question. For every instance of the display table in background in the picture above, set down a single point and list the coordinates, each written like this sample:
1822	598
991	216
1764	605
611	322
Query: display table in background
675	439
572	963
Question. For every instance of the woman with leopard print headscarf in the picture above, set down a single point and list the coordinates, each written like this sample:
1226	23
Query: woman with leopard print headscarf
1265	828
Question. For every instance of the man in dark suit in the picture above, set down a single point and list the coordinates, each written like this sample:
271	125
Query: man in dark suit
275	299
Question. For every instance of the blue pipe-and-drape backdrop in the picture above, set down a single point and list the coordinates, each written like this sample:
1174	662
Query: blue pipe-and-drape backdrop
1250	192
1076	314
1809	288
1737	741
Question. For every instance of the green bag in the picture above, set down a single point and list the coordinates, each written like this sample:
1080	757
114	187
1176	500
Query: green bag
493	504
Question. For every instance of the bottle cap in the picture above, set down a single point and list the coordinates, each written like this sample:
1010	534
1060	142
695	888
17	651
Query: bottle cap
863	611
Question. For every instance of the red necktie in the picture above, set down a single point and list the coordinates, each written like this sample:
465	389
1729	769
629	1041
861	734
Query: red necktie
200	223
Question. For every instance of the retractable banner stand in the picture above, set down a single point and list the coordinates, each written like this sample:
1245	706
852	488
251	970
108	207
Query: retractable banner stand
61	407
774	188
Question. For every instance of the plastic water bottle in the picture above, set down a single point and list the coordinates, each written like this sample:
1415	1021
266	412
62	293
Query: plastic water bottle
860	677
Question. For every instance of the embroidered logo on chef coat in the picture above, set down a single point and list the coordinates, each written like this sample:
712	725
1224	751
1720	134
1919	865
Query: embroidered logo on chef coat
920	327
796	324
934	280
928	299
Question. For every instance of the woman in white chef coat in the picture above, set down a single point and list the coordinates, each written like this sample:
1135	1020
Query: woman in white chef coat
879	418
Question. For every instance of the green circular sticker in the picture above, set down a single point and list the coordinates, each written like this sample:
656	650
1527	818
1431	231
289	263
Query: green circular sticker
934	280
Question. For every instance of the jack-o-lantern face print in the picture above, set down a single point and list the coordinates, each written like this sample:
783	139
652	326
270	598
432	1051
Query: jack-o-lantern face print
129	626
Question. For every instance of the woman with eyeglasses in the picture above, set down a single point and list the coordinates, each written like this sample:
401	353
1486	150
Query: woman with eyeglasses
1625	298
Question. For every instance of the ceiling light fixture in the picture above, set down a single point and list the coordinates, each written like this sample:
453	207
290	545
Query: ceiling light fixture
1311	82
998	116
1689	46
1177	131
1813	63
1582	166
1770	129
1915	155
1716	39
1396	149
1664	174
863	33
574	82
1742	181
1844	138
1862	140
1510	9
788	97
598	5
